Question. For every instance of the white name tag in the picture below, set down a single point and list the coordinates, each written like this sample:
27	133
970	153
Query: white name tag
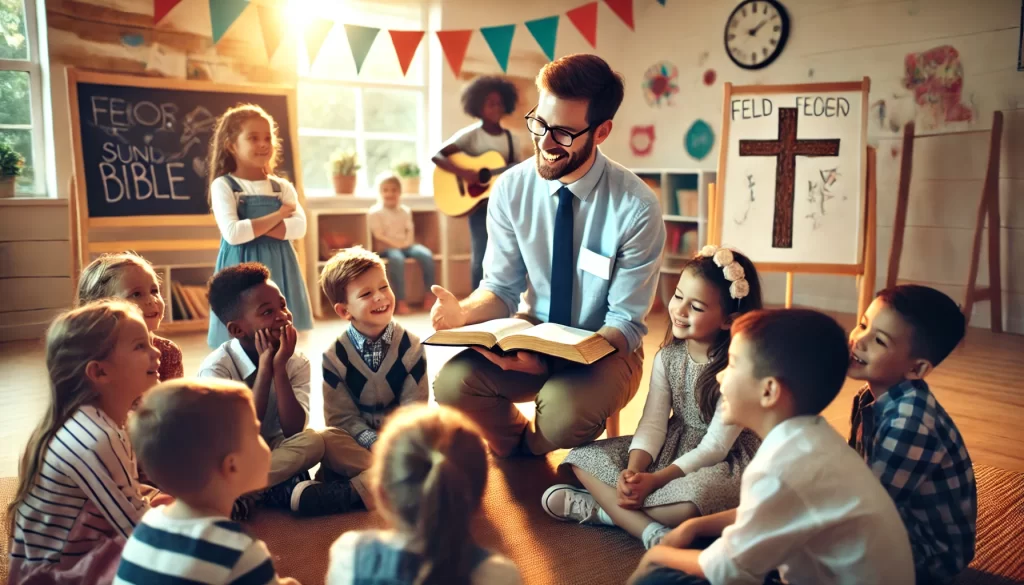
595	264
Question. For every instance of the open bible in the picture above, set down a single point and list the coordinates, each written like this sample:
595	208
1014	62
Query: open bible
509	335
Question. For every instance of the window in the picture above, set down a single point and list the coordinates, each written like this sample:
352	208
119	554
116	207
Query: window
379	113
21	94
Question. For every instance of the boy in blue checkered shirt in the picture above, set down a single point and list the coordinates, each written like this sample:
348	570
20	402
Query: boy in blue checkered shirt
901	430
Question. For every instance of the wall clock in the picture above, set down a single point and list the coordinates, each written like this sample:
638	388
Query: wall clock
756	33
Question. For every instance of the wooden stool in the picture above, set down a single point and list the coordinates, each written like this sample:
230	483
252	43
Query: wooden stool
611	426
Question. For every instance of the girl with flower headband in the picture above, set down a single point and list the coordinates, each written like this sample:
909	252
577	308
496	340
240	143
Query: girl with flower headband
687	465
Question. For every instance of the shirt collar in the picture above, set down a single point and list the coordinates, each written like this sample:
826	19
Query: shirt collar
241	359
786	429
585	185
897	392
360	340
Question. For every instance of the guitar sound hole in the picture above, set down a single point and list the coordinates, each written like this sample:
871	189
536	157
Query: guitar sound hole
485	176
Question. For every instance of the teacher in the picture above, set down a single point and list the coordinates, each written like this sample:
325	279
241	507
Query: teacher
582	237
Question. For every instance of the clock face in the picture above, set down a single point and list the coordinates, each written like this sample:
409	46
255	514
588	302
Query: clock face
756	33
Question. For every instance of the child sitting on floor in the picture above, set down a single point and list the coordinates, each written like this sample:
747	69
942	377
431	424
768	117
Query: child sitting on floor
904	434
395	238
78	495
375	366
262	354
430	472
200	439
808	509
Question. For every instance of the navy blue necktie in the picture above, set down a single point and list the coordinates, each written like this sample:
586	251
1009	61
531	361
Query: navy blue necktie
561	261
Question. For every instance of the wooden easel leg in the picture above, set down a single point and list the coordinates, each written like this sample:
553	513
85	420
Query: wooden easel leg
995	280
902	199
789	290
866	284
988	207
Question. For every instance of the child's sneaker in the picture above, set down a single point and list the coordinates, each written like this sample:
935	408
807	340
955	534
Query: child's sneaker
315	498
567	503
280	495
243	507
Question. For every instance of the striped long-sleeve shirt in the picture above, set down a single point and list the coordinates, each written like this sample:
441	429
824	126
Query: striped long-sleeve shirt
87	494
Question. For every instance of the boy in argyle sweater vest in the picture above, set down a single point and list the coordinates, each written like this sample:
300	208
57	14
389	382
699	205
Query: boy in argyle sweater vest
373	368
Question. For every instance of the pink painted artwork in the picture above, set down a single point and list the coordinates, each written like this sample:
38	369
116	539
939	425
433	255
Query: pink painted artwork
936	77
661	82
709	77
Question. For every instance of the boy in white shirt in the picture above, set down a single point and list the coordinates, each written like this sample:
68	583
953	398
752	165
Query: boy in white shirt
810	512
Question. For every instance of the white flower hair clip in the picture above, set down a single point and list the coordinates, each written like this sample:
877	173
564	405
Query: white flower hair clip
724	259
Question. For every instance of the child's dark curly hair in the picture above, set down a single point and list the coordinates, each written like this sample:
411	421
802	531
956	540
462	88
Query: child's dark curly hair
224	289
475	94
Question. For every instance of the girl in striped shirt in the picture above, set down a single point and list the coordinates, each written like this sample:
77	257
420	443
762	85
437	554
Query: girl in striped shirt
79	497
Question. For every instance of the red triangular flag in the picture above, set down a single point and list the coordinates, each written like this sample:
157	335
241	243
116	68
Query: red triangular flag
406	43
454	44
624	9
161	8
272	21
585	19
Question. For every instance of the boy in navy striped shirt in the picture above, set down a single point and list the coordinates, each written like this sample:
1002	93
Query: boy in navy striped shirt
182	434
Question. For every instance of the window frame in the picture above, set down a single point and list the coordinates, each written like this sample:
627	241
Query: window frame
33	66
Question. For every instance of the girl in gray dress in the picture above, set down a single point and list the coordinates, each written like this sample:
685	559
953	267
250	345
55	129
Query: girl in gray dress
687	465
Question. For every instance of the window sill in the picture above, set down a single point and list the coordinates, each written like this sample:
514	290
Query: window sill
32	201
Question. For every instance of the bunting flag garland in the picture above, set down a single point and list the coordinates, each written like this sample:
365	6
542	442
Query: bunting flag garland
360	39
454	44
224	13
406	42
315	35
624	10
585	19
662	2
545	32
272	23
499	39
161	8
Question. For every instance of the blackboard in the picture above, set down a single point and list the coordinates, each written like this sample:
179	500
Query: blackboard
144	148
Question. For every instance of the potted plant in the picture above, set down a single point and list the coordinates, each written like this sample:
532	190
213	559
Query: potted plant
11	165
409	175
342	170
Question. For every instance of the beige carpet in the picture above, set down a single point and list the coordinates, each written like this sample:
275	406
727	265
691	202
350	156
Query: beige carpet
550	552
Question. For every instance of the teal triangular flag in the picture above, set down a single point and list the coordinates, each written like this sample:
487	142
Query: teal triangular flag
360	39
545	30
224	13
499	39
662	2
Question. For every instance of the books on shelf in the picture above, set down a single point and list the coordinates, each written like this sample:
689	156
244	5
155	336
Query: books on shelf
688	202
682	240
188	302
510	335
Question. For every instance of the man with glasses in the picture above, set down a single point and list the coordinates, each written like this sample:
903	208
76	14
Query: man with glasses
580	238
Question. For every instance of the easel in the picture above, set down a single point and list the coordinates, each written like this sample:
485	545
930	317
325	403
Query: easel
988	206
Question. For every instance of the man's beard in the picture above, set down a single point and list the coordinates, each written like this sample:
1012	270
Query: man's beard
564	166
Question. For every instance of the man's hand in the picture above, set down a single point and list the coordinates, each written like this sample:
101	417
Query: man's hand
446	313
526	362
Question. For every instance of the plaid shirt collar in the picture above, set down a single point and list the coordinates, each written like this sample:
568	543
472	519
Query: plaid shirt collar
372	350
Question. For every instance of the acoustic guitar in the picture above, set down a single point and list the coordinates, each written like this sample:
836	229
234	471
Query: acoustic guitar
455	196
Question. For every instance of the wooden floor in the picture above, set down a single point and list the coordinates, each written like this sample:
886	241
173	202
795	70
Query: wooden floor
981	385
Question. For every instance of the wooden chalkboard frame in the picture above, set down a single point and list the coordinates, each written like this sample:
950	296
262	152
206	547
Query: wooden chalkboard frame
79	198
865	266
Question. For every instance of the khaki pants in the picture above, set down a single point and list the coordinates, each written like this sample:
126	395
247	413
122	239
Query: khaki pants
294	454
343	455
573	401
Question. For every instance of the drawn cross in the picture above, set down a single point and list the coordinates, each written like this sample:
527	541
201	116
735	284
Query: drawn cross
785	150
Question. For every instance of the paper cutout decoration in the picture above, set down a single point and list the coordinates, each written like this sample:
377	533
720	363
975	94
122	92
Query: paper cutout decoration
662	2
161	8
499	39
272	21
360	39
699	140
623	9
661	83
406	43
641	140
315	35
585	19
545	31
710	76
224	13
454	44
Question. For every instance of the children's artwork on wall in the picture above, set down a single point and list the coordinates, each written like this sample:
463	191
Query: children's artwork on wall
661	82
710	76
641	140
936	77
699	140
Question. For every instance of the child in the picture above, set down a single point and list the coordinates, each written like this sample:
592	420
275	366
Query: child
258	213
807	508
392	228
131	277
489	99
430	472
690	464
201	440
901	430
375	366
262	354
78	495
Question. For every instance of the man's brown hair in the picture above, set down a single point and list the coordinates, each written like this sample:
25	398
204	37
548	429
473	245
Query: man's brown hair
346	266
584	77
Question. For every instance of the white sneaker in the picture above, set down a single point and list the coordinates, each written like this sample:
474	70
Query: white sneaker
567	503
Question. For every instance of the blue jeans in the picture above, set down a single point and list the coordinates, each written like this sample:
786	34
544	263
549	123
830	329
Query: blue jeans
396	267
478	243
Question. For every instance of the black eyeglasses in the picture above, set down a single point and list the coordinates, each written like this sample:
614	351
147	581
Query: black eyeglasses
562	137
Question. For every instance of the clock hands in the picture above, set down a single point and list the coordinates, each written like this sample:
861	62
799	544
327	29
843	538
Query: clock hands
753	31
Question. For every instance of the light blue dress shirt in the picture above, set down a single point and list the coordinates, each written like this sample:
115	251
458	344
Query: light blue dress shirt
616	216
